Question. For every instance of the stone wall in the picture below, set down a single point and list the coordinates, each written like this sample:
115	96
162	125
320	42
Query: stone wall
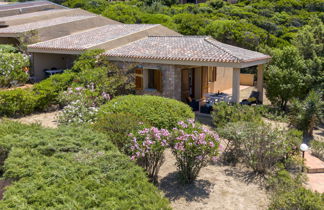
171	79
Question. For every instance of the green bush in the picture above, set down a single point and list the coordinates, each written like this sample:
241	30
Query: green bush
318	149
49	89
13	69
71	168
289	194
259	146
117	126
224	113
4	48
157	111
17	102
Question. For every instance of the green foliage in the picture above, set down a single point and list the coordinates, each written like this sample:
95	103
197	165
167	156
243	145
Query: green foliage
306	115
193	147
13	68
71	168
147	148
318	149
48	90
157	111
117	126
94	70
286	77
224	113
17	102
4	48
272	113
288	193
259	146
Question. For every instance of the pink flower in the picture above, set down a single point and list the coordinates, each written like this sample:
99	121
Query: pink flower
211	144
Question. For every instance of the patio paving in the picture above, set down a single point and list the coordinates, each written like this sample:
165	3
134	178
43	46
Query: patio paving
315	180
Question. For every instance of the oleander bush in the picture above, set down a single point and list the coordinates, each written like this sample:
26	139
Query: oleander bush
6	48
80	105
193	147
259	146
147	148
13	69
70	168
224	113
117	126
17	102
158	111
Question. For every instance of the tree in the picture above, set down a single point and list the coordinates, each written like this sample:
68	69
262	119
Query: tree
308	113
286	78
106	78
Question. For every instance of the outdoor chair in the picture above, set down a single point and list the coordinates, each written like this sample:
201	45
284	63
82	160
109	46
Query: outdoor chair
253	99
194	104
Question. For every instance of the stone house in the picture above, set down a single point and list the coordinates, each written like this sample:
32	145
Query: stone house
166	62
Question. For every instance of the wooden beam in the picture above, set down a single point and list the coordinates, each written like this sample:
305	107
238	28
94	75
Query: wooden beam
236	85
260	81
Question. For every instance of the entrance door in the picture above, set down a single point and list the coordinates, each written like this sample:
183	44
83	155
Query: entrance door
187	84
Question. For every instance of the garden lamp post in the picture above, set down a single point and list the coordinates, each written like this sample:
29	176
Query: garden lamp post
303	147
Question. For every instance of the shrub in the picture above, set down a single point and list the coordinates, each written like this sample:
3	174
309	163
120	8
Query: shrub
81	105
117	126
272	113
306	115
17	102
77	113
147	148
13	69
259	146
318	149
4	48
93	69
193	146
288	193
49	89
71	168
224	113
157	111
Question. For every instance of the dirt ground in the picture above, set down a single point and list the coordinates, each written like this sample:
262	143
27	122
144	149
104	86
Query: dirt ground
217	187
47	119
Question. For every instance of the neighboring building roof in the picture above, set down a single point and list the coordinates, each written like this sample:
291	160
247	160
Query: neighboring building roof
118	33
185	48
24	5
17	29
33	14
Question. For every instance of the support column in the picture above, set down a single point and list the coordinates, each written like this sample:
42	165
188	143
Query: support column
236	85
260	82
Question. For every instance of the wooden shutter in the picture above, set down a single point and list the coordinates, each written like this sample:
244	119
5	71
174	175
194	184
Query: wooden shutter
158	80
139	79
204	81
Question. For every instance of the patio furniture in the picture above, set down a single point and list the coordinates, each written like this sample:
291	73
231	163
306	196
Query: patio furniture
253	99
50	72
194	104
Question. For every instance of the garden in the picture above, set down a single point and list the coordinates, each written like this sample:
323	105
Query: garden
113	149
110	149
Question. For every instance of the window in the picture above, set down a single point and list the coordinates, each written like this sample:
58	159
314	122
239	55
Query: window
212	74
154	79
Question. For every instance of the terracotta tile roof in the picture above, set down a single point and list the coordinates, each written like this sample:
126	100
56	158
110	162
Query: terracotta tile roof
42	24
33	14
185	48
91	38
24	5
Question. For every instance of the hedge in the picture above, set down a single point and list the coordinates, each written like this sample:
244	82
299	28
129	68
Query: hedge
19	102
157	111
70	168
